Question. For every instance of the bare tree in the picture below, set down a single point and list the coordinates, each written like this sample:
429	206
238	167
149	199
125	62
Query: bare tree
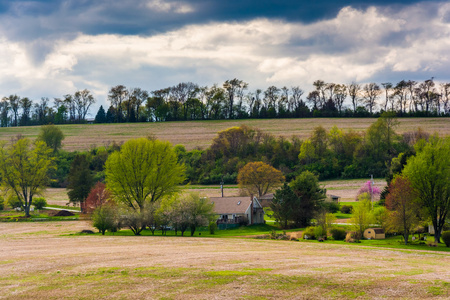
412	95
71	107
427	94
339	96
182	92
314	98
387	87
41	110
354	91
25	105
400	90
116	96
14	104
138	96
283	103
4	112
371	93
296	97
83	100
271	96
235	89
321	88
445	92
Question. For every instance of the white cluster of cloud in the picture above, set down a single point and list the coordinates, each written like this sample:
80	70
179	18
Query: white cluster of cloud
175	7
371	45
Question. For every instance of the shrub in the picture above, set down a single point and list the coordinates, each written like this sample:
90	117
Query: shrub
331	207
14	202
346	209
39	203
2	203
279	236
338	234
319	232
243	221
212	227
309	233
446	238
352	237
105	218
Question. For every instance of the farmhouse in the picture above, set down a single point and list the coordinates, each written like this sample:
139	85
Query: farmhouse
238	210
374	233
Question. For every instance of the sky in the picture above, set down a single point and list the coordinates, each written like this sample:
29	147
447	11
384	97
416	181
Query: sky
52	48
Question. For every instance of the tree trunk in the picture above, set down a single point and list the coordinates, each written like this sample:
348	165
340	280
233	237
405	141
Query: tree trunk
27	210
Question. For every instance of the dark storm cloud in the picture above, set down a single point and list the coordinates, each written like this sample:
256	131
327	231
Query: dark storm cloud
128	17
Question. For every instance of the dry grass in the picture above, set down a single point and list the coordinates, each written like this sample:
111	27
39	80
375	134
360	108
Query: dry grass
200	133
37	263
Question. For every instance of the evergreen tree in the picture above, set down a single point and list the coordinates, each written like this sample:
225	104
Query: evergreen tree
110	115
310	197
80	180
101	115
283	204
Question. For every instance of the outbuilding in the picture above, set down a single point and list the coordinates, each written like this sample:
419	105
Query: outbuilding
374	234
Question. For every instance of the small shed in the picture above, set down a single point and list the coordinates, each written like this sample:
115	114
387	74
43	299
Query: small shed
266	200
374	233
332	198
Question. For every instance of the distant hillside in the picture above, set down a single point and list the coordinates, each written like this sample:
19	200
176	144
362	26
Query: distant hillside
200	133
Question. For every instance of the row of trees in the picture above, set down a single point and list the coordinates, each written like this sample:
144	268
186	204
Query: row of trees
21	111
233	100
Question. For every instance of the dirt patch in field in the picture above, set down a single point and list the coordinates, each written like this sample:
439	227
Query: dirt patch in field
36	262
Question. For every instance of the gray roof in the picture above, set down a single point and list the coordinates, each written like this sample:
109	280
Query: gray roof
231	205
266	197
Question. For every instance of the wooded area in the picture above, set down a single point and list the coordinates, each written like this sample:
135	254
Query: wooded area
233	100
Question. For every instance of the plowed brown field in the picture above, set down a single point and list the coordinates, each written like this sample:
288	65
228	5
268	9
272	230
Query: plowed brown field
37	262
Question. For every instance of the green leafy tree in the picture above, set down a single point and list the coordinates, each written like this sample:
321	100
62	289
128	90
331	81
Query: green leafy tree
429	174
307	152
362	215
80	180
24	169
143	171
52	136
105	217
259	178
199	210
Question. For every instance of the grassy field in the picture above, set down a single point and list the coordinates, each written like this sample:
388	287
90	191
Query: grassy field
41	261
200	133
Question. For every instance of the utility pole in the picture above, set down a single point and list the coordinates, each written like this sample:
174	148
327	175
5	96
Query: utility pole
221	186
371	190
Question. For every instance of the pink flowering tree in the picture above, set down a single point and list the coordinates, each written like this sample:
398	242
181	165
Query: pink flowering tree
369	189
